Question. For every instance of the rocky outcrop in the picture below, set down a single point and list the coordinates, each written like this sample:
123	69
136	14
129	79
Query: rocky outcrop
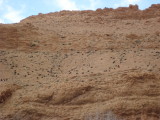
82	65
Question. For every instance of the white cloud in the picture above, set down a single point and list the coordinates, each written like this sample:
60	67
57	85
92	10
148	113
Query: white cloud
73	4
9	14
67	4
1	1
13	15
1	21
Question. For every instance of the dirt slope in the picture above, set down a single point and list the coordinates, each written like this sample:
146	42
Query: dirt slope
82	65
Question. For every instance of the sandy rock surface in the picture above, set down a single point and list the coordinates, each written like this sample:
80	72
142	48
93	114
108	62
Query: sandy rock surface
82	65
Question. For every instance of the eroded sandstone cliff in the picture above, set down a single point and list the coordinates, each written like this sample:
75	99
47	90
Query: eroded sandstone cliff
75	65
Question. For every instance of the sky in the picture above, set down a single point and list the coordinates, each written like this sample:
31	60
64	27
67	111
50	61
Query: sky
12	11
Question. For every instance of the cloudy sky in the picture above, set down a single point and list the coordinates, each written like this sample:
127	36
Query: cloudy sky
12	11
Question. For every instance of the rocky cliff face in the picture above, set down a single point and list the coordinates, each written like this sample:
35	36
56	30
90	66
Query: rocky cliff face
82	65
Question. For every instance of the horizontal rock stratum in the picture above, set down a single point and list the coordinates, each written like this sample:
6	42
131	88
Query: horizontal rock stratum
82	65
